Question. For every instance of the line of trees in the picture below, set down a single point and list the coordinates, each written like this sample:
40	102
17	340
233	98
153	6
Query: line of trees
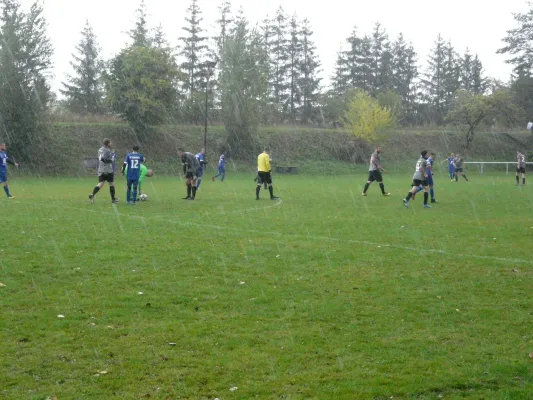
267	74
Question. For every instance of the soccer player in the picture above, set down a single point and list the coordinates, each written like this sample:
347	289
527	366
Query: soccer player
451	165
221	169
203	162
419	178
429	172
133	162
264	173
191	165
105	171
520	168
4	160
458	162
374	172
145	173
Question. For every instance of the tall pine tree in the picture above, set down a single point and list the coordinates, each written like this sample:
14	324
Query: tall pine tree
404	71
434	82
309	82
194	50
224	22
294	67
140	34
279	61
84	91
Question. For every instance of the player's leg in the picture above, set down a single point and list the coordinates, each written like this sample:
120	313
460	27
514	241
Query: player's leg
517	176
188	183
194	187
259	185
411	193
270	187
464	176
199	179
3	180
381	184
426	195
135	185
369	181
223	172
523	176
101	181
139	190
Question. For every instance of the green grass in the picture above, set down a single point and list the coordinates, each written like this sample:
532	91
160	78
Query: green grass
323	295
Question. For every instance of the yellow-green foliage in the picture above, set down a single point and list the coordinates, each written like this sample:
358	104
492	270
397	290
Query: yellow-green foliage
366	119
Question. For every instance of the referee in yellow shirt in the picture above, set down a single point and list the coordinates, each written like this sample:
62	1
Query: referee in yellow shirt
264	172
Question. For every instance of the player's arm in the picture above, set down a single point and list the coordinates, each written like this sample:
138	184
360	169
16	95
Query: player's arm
124	165
267	164
9	160
106	157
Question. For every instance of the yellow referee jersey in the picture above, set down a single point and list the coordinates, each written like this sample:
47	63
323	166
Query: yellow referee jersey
263	162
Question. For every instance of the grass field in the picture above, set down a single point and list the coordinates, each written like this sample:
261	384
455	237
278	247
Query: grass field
321	295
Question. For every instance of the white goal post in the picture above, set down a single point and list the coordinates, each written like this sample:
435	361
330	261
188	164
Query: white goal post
481	163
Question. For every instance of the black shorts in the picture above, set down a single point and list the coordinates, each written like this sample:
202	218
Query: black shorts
264	177
190	175
375	176
106	177
521	170
458	169
418	182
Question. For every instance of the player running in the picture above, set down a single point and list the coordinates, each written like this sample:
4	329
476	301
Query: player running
106	173
429	172
419	178
374	172
264	172
458	162
520	168
4	160
203	162
451	165
191	165
133	162
221	169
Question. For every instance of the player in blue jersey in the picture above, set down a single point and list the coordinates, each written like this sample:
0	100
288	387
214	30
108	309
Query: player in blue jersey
429	179
451	165
133	161
221	169
203	162
4	160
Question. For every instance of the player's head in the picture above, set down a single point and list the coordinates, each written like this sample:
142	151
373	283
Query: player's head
266	149
203	151
518	152
181	151
107	142
150	173
3	146
424	153
135	148
378	149
432	155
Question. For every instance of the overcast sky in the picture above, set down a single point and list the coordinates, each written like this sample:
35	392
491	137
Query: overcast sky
477	24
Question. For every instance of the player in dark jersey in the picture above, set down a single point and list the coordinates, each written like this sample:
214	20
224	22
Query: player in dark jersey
106	170
459	163
191	165
374	172
4	160
520	168
133	162
419	178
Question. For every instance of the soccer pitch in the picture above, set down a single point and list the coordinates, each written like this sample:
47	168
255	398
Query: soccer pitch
322	294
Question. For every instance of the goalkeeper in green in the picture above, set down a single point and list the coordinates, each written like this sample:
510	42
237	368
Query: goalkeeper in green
145	172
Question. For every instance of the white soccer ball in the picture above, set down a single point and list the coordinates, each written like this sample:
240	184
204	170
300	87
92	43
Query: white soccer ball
143	197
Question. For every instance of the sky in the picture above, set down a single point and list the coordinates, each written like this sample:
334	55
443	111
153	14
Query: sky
466	23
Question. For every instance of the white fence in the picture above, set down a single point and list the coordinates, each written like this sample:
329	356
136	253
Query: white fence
481	163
